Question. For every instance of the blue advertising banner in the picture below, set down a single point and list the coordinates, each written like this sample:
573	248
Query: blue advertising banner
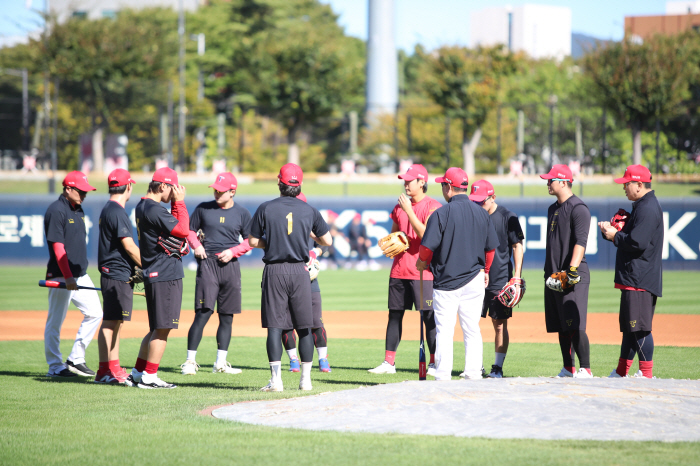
22	239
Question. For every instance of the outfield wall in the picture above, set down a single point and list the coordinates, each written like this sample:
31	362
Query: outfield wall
22	238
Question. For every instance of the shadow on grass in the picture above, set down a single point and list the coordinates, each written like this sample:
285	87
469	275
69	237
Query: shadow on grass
348	382
208	368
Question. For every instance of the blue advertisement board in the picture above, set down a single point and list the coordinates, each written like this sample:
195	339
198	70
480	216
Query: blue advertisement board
22	239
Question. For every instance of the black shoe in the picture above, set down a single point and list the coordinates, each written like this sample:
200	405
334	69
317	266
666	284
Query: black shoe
80	369
64	373
496	372
130	382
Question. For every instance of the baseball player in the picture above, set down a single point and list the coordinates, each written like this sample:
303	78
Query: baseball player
409	216
318	330
359	243
566	272
459	244
223	224
287	223
162	240
64	227
117	258
639	239
510	241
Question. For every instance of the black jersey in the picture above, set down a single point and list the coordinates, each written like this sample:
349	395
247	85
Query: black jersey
458	233
112	259
221	227
509	233
568	225
153	221
286	223
65	224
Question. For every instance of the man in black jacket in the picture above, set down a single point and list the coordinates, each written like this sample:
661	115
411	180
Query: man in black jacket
639	239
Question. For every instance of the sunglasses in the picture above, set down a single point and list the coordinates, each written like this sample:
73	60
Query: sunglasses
481	203
80	193
554	179
221	192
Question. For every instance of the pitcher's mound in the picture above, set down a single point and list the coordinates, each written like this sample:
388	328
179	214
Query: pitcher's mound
538	408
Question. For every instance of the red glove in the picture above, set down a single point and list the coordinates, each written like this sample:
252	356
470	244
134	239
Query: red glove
619	219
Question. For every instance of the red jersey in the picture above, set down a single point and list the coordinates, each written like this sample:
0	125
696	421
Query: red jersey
404	265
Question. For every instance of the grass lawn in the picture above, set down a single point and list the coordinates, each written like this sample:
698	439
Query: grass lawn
44	421
349	290
313	188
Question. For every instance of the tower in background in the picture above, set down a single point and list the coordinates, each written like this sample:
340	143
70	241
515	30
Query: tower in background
382	59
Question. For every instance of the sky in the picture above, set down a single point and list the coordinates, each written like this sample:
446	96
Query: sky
432	23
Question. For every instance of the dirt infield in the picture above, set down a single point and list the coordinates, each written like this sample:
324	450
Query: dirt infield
669	329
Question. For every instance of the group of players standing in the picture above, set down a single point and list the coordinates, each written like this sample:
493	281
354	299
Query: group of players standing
460	252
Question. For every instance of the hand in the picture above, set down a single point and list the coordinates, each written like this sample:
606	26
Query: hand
607	230
421	265
178	193
405	203
486	280
71	284
225	256
199	253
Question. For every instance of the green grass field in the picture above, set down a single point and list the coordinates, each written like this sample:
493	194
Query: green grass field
313	188
45	421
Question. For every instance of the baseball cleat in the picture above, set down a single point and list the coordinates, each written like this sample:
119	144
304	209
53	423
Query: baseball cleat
106	378
294	365
583	373
461	375
130	381
305	384
483	372
63	373
615	375
640	375
151	381
496	372
565	373
431	369
80	369
226	368
323	365
189	367
273	386
383	368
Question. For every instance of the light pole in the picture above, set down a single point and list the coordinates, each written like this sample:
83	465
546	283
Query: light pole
182	109
201	48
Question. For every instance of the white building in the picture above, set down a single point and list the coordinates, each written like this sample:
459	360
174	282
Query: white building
95	9
541	31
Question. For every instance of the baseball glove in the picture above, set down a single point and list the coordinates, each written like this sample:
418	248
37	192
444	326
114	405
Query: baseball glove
394	244
619	219
137	277
562	281
174	246
512	292
314	268
200	235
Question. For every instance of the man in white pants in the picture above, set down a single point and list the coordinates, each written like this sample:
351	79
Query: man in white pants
459	244
64	226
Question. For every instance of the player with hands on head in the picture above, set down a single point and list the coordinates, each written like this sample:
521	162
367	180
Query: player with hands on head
286	224
566	272
119	262
64	227
222	224
458	245
506	287
639	238
163	242
409	216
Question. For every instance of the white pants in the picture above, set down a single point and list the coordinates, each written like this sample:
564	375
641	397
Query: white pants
467	302
88	303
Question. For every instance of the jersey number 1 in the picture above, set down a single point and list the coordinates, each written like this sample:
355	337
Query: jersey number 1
289	223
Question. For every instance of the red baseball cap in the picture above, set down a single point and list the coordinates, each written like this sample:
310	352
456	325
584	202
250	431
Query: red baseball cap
481	190
166	175
224	182
455	176
302	197
415	171
77	180
635	173
119	177
559	172
291	174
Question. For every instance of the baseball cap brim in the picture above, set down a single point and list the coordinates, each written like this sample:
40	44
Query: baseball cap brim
622	180
441	179
477	197
222	187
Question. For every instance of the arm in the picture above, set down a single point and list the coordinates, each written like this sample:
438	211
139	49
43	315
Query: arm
179	211
236	251
638	239
132	250
199	252
59	250
395	228
488	262
416	224
518	253
325	240
256	242
425	255
577	255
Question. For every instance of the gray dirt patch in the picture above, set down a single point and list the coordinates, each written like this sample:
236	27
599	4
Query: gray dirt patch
538	408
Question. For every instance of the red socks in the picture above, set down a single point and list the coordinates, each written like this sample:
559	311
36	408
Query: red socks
104	367
623	367
646	368
389	357
571	369
140	364
151	368
432	359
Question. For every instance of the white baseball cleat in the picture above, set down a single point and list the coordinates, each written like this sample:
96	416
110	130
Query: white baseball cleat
615	375
383	368
189	368
565	373
273	386
583	374
640	375
305	384
431	369
225	368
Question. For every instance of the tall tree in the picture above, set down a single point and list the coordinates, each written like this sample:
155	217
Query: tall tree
644	81
465	82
